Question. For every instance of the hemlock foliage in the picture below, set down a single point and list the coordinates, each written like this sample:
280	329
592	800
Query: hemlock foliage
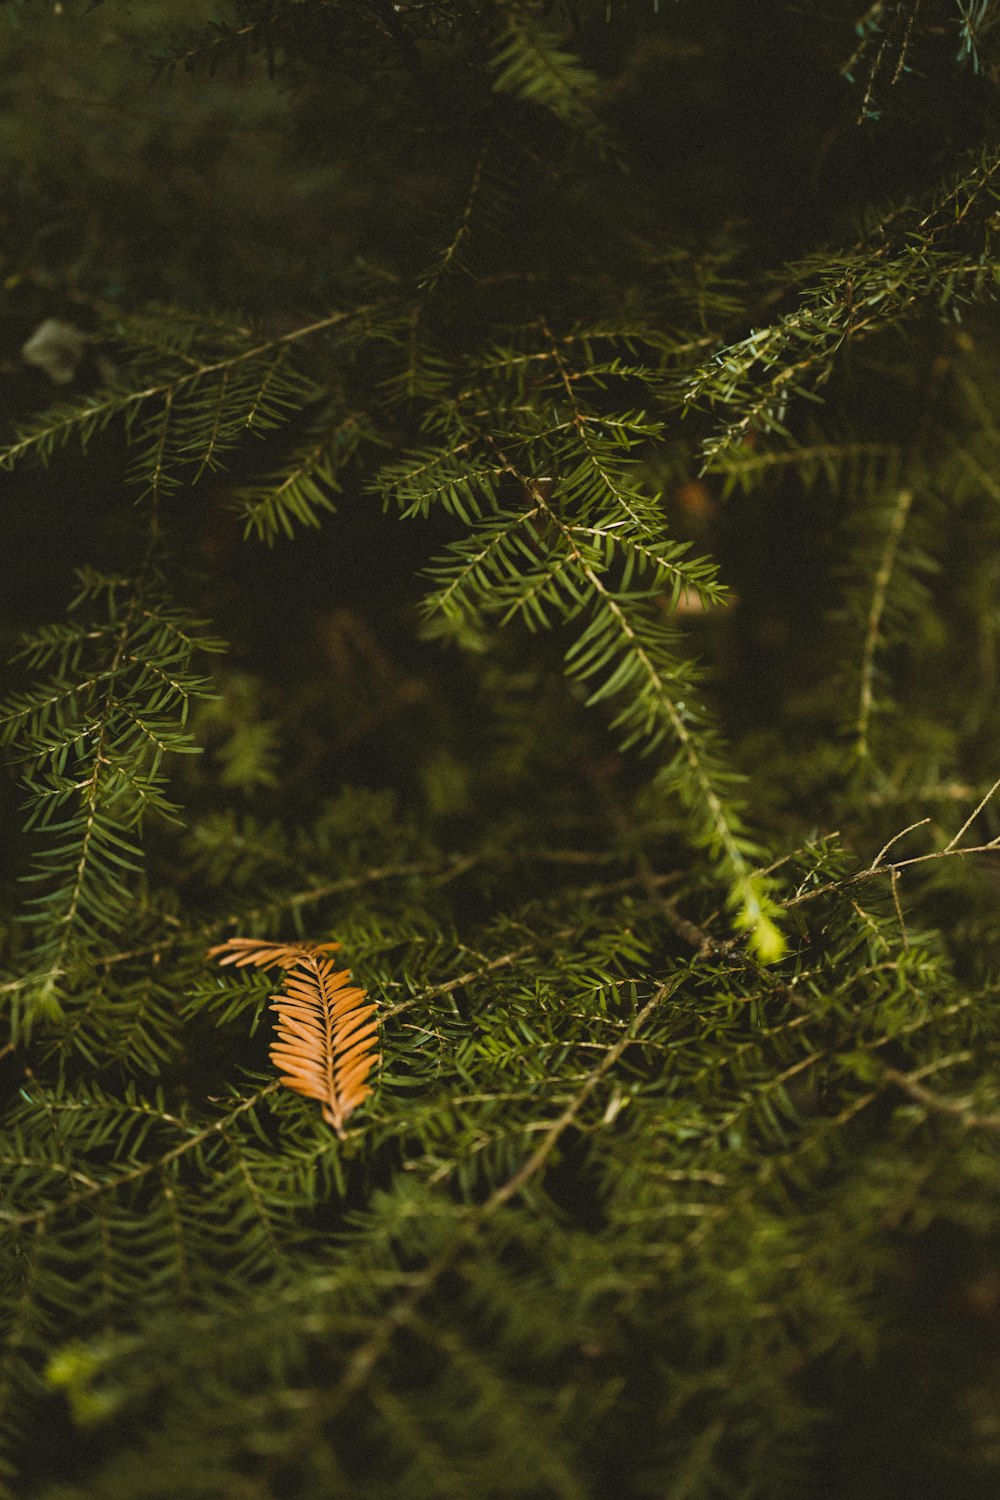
512	489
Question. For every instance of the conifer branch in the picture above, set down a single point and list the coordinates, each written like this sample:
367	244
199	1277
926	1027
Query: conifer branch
249	409
876	609
297	494
620	645
452	256
95	740
367	1357
116	1182
196	935
531	62
903	264
934	1103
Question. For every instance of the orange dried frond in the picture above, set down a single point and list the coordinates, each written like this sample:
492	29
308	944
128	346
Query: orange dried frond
327	1041
263	955
326	1044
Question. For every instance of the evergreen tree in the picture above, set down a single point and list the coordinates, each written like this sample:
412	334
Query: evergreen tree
511	490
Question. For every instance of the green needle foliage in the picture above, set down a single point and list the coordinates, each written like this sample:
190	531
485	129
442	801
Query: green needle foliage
513	490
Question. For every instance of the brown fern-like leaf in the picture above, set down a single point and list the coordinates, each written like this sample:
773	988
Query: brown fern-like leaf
326	1043
326	1028
263	955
